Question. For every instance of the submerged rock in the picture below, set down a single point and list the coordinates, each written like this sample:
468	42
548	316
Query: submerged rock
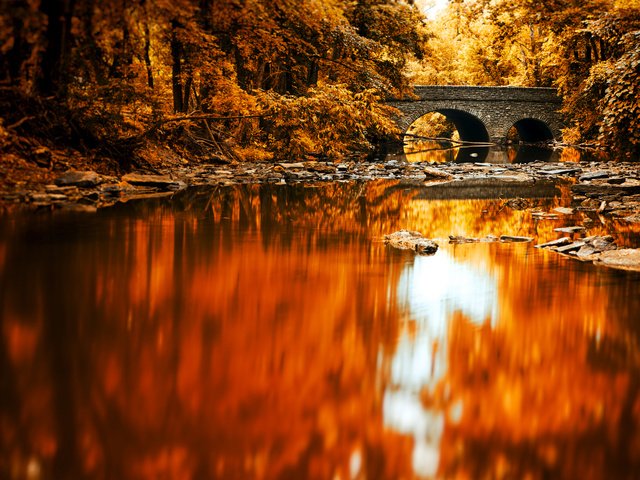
408	240
513	239
461	239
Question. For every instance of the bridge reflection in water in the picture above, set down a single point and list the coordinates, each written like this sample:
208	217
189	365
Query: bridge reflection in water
430	151
265	331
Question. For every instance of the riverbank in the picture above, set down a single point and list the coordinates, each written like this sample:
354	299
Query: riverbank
611	188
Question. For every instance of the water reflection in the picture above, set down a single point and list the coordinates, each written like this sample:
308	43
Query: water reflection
430	151
267	332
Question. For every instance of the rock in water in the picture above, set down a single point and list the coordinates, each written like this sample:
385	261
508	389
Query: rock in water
514	239
158	181
76	178
624	259
433	173
407	240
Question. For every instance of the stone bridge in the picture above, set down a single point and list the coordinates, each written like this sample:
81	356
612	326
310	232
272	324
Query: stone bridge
486	114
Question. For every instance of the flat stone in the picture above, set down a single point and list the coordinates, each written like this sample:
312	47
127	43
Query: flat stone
513	239
587	252
435	173
555	243
564	210
561	171
320	167
571	247
159	181
515	178
594	175
408	240
58	197
624	259
574	229
40	197
290	166
76	178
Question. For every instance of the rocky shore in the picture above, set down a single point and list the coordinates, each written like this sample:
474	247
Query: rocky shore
609	188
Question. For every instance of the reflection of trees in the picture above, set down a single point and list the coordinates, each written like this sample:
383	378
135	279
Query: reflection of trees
237	333
199	343
552	390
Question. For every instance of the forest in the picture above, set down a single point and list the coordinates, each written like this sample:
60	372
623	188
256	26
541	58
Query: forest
109	82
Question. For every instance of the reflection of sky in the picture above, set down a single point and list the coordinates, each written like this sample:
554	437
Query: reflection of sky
431	289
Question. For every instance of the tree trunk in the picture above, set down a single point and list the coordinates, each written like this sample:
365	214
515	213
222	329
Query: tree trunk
176	71
187	93
20	50
57	41
312	74
147	45
94	57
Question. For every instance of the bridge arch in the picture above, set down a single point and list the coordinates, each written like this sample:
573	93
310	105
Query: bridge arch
470	129
532	130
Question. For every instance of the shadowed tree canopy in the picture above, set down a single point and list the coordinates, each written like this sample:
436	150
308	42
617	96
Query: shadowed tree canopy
121	67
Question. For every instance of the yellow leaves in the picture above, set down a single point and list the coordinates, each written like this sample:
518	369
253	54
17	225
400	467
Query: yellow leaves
330	121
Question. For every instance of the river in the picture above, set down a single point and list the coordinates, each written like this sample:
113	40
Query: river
266	331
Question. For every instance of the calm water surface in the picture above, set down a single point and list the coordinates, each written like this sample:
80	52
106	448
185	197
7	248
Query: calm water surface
267	332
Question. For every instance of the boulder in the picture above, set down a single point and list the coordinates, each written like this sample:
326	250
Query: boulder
76	178
407	240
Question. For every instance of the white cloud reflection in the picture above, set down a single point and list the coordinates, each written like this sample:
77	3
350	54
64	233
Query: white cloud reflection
431	290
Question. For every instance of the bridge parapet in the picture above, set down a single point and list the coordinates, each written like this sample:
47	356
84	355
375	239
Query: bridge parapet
487	94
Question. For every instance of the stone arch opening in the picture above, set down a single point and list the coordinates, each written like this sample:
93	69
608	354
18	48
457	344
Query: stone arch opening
470	127
456	125
530	130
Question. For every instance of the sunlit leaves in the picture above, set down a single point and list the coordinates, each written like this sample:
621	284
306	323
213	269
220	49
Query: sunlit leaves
329	121
621	112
